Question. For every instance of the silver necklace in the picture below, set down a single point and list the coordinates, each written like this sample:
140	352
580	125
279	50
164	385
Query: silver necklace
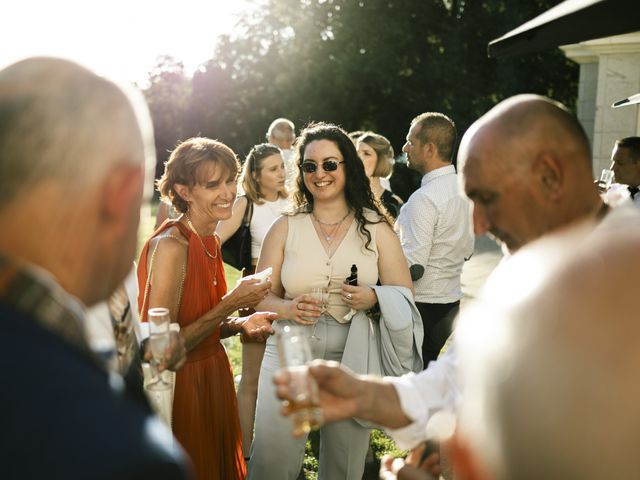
328	237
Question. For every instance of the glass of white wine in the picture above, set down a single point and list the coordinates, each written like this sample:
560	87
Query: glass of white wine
158	341
321	294
606	178
295	355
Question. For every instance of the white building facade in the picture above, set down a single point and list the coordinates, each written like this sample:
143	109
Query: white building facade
609	71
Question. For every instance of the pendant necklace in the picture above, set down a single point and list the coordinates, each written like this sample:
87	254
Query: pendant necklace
328	237
204	247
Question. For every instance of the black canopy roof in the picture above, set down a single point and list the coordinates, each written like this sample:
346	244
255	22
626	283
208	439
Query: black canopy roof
571	21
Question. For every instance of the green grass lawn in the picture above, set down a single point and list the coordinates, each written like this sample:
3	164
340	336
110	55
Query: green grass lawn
380	443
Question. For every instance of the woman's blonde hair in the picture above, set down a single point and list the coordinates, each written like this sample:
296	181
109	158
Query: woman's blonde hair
252	170
383	150
183	167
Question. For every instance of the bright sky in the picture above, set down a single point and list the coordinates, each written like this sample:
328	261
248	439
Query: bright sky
117	38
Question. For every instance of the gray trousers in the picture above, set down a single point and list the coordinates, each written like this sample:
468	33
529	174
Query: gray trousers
275	453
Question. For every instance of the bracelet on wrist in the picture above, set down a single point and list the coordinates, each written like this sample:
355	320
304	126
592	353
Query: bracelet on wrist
374	312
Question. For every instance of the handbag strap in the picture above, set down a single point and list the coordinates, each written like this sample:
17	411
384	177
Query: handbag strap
248	212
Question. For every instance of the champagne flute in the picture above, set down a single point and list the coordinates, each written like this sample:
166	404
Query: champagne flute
606	178
158	342
295	355
320	294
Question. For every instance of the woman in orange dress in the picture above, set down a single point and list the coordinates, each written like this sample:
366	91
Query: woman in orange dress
181	268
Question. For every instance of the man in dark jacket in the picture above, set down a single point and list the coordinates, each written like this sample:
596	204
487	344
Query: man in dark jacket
72	163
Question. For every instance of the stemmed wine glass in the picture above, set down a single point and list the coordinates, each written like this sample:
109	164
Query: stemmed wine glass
158	341
321	294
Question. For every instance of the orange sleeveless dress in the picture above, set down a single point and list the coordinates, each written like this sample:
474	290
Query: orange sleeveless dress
205	411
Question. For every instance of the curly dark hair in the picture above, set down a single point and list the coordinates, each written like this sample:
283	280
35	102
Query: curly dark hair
357	190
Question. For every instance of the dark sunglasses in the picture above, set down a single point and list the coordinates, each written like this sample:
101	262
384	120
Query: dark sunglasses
327	166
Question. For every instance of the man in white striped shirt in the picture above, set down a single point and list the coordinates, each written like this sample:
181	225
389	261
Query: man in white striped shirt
434	228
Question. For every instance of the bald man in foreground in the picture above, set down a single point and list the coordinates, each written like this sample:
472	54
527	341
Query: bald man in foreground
551	390
526	165
73	148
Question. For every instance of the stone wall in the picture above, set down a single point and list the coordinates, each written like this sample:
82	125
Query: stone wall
609	71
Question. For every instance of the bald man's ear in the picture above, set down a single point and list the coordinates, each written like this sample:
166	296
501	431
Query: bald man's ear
548	171
121	193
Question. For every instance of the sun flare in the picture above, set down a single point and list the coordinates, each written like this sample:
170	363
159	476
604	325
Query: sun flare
117	38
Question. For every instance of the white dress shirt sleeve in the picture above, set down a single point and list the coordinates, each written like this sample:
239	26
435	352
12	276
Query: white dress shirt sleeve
423	394
415	227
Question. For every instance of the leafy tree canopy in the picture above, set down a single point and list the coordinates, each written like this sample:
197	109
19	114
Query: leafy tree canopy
363	64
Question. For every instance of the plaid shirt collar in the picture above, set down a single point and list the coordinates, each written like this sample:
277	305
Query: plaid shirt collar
35	293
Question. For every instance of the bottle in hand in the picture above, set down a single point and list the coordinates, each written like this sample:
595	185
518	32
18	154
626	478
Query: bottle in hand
352	279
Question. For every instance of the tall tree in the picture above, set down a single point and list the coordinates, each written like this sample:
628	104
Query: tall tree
371	64
168	97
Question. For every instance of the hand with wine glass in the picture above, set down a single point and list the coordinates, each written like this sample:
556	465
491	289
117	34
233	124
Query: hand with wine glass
605	181
295	355
175	353
158	343
304	309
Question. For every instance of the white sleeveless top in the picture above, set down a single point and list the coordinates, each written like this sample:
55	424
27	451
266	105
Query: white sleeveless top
306	264
263	216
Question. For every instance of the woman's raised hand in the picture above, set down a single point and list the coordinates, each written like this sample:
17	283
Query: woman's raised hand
304	309
249	292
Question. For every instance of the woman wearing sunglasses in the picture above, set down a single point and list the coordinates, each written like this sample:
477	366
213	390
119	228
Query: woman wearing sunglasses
335	224
263	182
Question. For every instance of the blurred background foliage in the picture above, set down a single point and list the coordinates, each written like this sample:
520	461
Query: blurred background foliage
363	64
